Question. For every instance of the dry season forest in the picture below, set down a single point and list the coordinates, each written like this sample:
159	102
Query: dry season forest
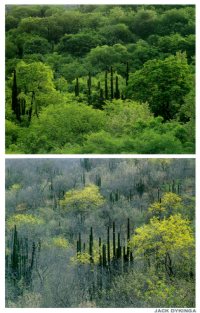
100	233
100	79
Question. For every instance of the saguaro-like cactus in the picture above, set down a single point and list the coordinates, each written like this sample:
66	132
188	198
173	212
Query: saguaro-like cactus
106	85
100	255
32	256
108	244
117	92
119	249
111	83
104	255
15	254
128	238
79	243
77	88
114	243
91	246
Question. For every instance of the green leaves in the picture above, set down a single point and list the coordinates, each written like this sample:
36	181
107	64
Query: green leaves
52	46
79	44
123	126
61	125
163	84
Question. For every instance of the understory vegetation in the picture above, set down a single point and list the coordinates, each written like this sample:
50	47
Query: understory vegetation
100	79
100	233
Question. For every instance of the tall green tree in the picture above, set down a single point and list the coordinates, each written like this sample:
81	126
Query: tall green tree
163	84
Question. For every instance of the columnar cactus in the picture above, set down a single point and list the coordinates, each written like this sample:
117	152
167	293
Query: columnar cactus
77	88
111	83
106	85
117	92
114	243
128	238
100	254
104	255
119	248
108	244
91	246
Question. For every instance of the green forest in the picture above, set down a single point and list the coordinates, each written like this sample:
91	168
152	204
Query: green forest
100	233
100	79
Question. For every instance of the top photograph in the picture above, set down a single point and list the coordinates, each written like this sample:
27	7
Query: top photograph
100	79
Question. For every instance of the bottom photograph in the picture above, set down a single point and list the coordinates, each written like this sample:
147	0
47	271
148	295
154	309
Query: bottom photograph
100	233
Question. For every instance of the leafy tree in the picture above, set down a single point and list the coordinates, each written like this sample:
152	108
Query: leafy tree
166	241
11	49
170	203
154	141
79	44
33	80
114	34
177	20
141	52
102	57
147	290
23	219
12	133
175	42
65	126
163	84
144	23
11	22
82	201
36	44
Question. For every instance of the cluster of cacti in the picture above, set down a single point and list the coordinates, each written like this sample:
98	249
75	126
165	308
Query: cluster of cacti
113	258
114	196
104	94
110	251
21	260
130	194
140	188
19	105
175	188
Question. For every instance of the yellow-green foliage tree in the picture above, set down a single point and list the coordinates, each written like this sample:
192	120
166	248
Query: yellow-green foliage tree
170	203
21	220
168	242
82	201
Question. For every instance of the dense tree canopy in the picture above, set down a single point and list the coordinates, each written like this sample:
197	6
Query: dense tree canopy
96	55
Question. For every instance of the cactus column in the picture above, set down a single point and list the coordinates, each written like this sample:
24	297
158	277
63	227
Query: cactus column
77	88
111	83
91	246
